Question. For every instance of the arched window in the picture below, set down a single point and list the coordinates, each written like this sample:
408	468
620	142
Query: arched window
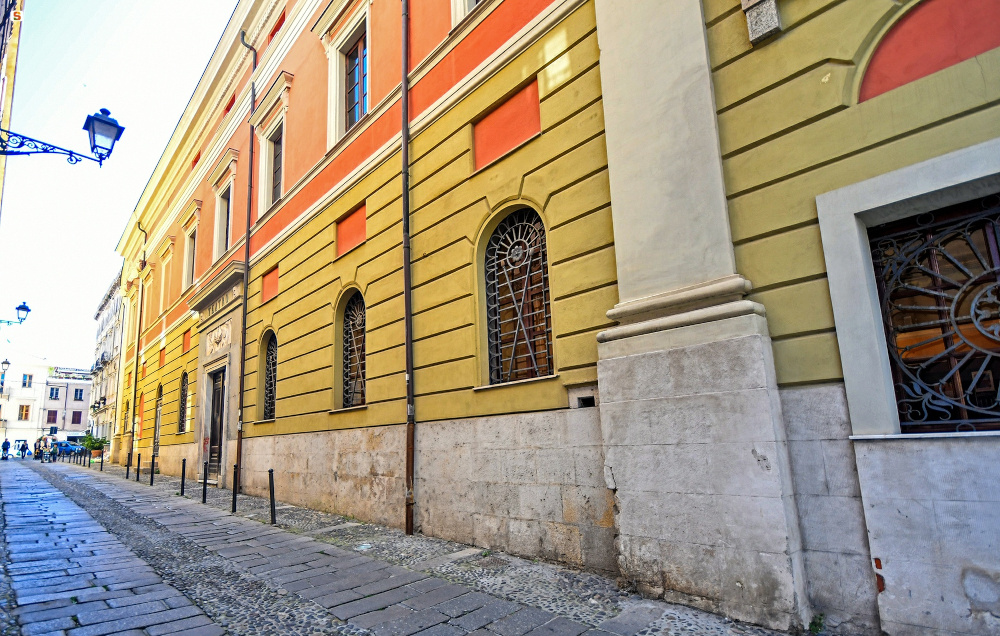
518	319
125	417
182	403
354	351
159	418
270	375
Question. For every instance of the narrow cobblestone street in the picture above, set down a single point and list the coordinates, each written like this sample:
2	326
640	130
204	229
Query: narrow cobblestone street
89	553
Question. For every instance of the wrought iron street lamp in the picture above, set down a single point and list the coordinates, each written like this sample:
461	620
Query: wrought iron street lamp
102	129
22	312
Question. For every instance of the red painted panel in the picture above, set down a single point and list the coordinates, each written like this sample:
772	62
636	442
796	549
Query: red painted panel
187	341
142	411
509	125
269	285
163	357
933	36
351	230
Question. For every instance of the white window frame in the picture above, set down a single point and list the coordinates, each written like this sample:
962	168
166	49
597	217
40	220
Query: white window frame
844	218
223	243
462	8
190	245
53	393
336	55
267	118
78	392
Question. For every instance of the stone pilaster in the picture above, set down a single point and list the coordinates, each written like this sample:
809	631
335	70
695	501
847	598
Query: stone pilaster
695	446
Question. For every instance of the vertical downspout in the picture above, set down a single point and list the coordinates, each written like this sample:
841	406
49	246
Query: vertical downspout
138	337
411	424
246	269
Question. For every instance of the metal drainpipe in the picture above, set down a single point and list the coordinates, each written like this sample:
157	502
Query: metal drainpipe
411	424
138	337
246	269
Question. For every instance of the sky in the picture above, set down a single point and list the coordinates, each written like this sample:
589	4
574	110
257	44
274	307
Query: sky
60	223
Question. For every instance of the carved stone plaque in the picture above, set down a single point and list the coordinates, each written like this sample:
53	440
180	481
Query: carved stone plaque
219	338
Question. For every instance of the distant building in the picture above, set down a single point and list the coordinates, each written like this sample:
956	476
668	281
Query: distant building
105	372
67	403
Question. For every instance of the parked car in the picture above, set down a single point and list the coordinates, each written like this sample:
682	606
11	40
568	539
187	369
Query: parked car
68	448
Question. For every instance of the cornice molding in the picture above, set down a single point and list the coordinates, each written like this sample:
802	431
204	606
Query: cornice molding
276	94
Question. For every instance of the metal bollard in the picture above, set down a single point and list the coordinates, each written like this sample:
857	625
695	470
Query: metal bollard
184	463
138	467
152	470
236	483
128	465
102	461
270	485
204	484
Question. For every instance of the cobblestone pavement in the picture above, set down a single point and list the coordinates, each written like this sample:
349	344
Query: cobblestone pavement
315	573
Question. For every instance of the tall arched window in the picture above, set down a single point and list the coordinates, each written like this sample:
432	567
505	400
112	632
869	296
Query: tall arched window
270	375
182	404
518	319
125	413
159	417
354	351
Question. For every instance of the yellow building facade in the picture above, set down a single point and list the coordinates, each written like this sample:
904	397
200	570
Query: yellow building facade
638	329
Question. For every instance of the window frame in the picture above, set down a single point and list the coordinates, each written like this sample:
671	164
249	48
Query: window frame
462	8
53	393
354	27
487	357
78	392
183	402
26	380
222	243
266	393
77	417
844	218
51	416
23	412
265	136
190	252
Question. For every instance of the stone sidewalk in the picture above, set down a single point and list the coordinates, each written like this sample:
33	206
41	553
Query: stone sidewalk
92	553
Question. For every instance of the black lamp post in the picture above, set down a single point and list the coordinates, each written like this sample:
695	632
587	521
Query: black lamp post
3	373
103	131
22	312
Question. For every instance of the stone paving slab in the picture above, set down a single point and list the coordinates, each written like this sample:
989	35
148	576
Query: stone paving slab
208	571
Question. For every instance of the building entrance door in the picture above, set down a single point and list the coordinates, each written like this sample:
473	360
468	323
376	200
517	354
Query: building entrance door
218	413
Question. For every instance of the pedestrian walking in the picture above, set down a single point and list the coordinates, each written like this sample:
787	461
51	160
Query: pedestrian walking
38	449
24	449
6	449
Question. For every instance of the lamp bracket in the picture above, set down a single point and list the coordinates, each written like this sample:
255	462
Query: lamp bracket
11	143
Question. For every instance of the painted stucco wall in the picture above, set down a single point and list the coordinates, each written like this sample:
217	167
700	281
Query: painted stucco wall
791	128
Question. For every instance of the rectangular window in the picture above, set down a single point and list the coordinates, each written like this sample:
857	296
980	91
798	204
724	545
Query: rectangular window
54	393
223	223
77	417
275	145
356	60
23	412
26	381
50	417
190	243
78	395
937	286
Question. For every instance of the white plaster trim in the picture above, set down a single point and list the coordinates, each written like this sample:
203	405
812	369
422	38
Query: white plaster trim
713	292
356	25
697	316
226	163
844	218
277	93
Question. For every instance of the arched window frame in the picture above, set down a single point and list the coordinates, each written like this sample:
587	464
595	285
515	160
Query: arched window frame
500	362
268	375
352	387
182	403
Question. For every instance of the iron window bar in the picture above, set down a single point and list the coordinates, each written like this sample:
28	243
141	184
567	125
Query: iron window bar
938	279
354	351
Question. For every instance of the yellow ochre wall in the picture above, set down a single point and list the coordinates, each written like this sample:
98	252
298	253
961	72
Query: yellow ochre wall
562	174
790	129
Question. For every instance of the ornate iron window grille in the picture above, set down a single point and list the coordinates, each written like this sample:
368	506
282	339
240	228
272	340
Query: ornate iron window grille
270	376
518	317
939	285
159	419
182	405
354	351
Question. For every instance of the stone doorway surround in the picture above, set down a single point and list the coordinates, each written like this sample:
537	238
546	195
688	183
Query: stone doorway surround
695	444
219	306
